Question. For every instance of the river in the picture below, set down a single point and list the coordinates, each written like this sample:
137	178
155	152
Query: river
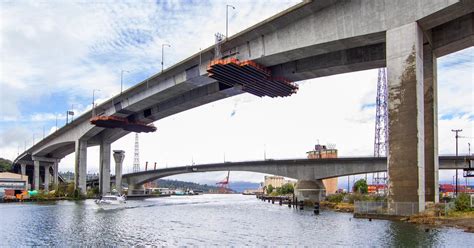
204	220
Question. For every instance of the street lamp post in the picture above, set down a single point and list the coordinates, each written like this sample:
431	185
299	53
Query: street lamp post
93	100
457	136
162	54
227	19
121	80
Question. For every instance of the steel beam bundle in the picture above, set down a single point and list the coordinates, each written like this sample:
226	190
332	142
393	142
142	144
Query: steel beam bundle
254	78
123	123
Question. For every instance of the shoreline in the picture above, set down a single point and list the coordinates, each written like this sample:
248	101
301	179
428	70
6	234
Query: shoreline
459	220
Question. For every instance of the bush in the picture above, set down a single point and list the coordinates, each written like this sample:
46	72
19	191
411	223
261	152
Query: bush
285	189
358	197
336	198
463	202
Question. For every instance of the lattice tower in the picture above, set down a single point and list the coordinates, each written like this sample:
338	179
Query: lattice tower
381	122
136	157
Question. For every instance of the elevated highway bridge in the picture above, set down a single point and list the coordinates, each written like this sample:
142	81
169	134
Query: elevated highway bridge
309	40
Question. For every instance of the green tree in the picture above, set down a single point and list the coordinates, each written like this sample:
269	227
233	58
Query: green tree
5	165
361	186
287	188
463	202
269	189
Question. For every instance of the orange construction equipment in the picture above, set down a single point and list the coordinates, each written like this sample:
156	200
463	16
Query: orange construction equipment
123	123
254	78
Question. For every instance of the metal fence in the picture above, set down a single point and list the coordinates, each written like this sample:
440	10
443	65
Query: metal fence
383	208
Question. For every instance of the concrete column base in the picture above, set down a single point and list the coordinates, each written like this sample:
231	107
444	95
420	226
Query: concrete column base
119	155
81	166
36	174
104	168
46	177
310	190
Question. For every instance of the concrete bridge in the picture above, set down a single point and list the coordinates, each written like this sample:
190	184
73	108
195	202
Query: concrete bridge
312	39
303	169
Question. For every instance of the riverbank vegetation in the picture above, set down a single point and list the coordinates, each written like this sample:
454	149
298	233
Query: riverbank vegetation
284	190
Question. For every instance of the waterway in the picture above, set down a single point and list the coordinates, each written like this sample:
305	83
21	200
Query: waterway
231	220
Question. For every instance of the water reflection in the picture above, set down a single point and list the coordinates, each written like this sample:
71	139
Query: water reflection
203	221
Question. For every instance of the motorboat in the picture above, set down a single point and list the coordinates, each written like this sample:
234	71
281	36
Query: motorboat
111	201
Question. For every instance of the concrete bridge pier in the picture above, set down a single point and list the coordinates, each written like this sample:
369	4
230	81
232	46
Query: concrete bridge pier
80	166
104	168
47	178
119	155
55	175
312	190
132	187
406	152
431	124
36	174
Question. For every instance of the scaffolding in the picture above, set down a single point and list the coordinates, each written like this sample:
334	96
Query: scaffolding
251	77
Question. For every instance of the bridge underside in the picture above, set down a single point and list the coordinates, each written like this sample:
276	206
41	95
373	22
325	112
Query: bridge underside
312	39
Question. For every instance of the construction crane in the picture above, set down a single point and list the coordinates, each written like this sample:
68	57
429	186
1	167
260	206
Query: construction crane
224	185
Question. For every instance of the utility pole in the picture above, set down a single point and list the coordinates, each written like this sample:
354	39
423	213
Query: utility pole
93	97
227	20
162	54
121	81
457	136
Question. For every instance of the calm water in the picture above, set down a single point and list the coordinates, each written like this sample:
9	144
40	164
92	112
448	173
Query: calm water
206	220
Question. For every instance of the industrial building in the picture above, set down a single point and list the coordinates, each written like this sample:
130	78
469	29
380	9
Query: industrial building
12	184
323	152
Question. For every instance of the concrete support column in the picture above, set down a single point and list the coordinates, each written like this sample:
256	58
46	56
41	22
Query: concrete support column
36	173
23	173
104	168
23	169
431	125
135	187
119	155
47	175
406	152
55	175
80	166
310	190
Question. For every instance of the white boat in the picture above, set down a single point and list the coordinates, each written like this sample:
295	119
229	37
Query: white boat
111	201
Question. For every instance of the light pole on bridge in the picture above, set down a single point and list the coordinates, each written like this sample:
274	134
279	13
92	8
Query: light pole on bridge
93	100
227	20
162	55
121	80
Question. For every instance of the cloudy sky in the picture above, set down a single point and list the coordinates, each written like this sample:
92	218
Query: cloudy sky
54	53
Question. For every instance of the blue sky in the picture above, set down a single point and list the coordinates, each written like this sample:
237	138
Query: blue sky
55	53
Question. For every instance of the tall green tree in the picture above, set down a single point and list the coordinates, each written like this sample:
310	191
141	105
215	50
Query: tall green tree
5	165
361	186
269	189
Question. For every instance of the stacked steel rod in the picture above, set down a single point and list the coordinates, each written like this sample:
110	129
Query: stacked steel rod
254	78
123	123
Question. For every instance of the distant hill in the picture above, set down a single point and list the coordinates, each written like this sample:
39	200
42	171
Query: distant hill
175	184
241	186
5	165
